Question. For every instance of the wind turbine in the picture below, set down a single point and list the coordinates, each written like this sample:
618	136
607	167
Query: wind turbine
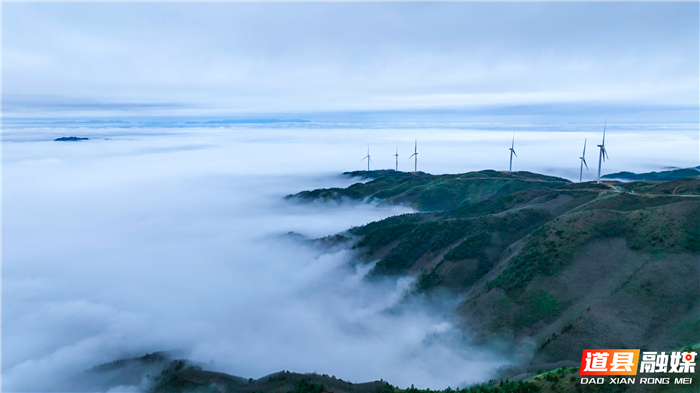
397	157
415	153
583	161
603	151
368	159
512	152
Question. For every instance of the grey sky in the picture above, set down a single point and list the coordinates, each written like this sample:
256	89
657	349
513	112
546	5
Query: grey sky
212	59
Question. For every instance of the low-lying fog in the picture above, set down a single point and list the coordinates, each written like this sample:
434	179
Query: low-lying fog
143	240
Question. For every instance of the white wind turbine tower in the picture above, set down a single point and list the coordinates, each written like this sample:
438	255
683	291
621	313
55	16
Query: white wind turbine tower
512	152
415	153
397	157
583	161
368	159
603	151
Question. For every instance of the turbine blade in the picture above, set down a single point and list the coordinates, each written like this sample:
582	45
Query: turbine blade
584	163
514	153
604	127
584	146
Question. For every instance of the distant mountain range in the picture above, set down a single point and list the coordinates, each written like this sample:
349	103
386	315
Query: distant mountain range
70	139
663	175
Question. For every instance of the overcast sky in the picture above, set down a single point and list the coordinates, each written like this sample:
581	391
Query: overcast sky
218	59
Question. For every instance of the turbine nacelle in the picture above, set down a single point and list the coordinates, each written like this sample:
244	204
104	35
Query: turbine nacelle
603	152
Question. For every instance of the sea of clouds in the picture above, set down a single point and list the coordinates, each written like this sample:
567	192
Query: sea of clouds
142	240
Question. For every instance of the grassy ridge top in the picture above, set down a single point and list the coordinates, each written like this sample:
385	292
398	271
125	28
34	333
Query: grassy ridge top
426	192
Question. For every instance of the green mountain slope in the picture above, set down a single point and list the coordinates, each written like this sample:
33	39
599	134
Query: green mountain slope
598	279
562	266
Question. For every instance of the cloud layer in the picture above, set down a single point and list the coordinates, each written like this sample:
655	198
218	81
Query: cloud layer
144	240
115	248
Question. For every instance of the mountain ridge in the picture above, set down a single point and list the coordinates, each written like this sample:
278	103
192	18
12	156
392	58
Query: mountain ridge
518	246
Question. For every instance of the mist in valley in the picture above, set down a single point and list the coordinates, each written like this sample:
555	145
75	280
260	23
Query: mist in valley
136	242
